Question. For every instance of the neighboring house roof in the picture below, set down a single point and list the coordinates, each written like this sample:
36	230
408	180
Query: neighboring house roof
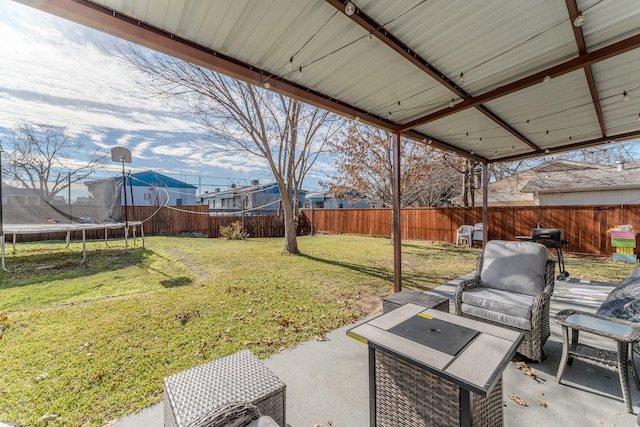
584	178
323	195
559	176
271	188
155	179
229	193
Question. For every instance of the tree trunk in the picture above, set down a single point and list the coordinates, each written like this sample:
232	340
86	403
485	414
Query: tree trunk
290	226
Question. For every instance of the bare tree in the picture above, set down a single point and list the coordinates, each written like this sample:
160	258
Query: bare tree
286	134
364	167
39	157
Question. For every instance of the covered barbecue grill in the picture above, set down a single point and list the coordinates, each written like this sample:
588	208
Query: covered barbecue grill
552	238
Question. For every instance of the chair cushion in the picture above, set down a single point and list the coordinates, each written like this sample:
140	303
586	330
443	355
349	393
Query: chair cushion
510	303
514	266
624	301
497	317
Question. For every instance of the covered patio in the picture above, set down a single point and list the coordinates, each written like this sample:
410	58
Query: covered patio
495	81
327	381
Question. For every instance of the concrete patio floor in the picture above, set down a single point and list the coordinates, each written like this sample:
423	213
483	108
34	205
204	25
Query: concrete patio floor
327	381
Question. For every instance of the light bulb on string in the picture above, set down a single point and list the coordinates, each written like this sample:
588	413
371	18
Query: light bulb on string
546	135
461	78
452	103
290	64
625	96
579	21
300	73
527	123
369	37
349	8
546	78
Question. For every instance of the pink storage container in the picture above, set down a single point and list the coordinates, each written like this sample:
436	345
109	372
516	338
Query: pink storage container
623	234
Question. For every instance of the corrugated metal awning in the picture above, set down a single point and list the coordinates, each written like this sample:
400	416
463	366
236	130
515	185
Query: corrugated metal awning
469	77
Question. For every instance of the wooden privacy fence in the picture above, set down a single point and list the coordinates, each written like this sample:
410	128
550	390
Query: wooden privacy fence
584	227
174	221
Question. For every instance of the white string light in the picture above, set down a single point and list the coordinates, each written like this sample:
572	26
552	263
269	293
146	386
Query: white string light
579	21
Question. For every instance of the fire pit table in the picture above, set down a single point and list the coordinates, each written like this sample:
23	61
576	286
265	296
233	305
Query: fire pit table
424	370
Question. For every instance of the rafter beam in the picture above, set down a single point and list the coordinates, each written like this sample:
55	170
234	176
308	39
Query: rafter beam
574	64
622	137
573	10
378	31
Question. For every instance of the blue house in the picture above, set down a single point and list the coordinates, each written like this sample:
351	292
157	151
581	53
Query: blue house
252	200
151	188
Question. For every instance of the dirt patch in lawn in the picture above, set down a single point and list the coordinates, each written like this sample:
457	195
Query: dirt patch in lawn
371	304
184	259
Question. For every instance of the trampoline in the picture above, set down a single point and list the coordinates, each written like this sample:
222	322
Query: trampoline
20	229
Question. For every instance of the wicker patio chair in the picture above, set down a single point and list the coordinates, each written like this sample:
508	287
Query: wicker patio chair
511	288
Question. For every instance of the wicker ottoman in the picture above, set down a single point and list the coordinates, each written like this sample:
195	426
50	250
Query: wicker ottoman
393	301
240	377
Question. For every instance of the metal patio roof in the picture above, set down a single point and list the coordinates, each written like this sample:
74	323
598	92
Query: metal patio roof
398	64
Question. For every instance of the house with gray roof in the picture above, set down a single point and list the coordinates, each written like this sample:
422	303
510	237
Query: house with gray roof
247	200
563	182
583	184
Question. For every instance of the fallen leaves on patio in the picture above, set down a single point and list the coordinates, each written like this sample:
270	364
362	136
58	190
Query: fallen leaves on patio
518	400
530	372
541	403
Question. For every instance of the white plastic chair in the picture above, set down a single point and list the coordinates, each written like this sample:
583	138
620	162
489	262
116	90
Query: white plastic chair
465	233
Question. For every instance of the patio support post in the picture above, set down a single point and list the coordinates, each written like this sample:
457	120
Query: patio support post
396	232
485	202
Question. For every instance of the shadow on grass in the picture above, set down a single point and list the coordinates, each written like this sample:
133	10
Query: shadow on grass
418	280
176	282
45	265
377	272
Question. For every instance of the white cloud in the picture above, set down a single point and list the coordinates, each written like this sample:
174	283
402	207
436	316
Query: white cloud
56	72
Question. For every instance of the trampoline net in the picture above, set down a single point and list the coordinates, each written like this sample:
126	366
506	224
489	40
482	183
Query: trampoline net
90	201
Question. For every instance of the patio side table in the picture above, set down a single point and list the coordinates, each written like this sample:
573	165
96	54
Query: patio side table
239	377
426	300
623	332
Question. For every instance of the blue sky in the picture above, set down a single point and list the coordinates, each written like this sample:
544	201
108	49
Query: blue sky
56	72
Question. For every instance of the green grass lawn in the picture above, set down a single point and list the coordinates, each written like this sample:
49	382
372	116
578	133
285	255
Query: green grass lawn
82	345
